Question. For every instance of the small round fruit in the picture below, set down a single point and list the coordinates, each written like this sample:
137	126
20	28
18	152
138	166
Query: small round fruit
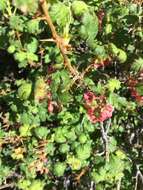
82	138
11	49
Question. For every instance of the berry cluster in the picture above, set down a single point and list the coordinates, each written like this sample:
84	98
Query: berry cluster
97	108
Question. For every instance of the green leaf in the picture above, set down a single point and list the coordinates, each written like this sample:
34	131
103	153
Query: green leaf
83	138
3	5
24	184
20	56
25	118
113	49
41	132
59	168
60	82
47	58
24	90
42	112
64	97
100	52
60	14
3	37
33	27
112	144
117	101
83	152
113	84
49	148
89	27
32	46
27	5
59	136
64	148
137	64
79	7
71	135
139	88
32	57
122	56
17	23
36	184
98	177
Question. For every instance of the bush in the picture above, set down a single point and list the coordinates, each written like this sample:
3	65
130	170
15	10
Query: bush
71	94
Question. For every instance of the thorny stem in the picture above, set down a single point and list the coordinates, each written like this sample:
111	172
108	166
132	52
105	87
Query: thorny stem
61	45
59	41
105	140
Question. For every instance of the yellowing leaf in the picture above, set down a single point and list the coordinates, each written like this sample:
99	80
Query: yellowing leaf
120	154
113	84
40	90
25	131
37	185
18	153
74	163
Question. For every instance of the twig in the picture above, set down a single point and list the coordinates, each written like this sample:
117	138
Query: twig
105	140
108	125
81	174
59	41
100	153
7	186
92	186
47	40
119	184
88	68
138	174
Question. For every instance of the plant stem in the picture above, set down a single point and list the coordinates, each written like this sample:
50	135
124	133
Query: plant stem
59	41
7	186
105	140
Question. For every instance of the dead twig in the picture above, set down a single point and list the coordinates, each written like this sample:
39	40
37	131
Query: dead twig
11	185
105	141
119	184
138	175
84	170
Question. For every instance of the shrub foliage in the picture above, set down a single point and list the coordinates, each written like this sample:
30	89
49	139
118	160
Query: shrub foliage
71	94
